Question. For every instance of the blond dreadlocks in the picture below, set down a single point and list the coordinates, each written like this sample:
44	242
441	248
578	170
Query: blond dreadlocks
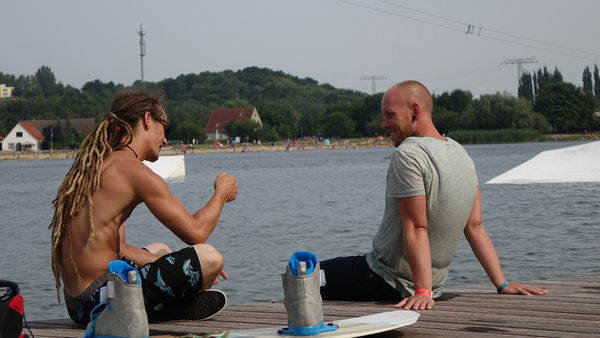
114	132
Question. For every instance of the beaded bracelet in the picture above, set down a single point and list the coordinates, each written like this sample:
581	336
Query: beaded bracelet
501	287
423	292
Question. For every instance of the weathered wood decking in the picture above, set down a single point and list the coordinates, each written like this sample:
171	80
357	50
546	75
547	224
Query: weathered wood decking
572	309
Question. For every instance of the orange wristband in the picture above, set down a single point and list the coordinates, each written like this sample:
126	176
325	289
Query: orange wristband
423	292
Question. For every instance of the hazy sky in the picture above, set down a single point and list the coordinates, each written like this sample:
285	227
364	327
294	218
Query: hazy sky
331	41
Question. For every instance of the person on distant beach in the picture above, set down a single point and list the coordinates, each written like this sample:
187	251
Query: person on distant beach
432	196
105	183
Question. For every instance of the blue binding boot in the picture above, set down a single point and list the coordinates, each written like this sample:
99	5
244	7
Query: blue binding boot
124	314
301	287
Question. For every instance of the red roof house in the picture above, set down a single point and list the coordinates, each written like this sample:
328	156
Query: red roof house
215	127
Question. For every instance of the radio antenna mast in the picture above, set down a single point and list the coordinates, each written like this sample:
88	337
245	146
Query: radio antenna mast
142	50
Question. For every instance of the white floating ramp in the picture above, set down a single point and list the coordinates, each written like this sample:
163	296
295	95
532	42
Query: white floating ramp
168	166
580	163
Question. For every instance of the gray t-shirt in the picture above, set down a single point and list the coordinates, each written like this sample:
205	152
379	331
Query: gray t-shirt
445	173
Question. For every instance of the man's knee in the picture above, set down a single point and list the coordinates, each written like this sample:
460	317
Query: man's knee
211	262
209	257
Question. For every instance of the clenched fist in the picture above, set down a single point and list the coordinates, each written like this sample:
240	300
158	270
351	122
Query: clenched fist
225	186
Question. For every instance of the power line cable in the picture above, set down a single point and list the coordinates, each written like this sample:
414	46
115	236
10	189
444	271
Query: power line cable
470	30
400	15
488	29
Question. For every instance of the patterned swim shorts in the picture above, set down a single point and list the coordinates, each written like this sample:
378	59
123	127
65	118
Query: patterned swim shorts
167	281
168	284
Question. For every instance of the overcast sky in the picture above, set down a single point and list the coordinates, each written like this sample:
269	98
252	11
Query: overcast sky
331	41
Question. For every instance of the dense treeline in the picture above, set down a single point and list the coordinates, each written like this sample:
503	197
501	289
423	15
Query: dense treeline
566	107
292	107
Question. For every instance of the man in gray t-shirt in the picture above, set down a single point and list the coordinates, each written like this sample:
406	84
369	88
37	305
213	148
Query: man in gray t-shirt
432	196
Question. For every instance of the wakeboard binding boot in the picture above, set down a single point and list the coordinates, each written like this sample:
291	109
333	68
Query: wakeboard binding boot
124	314
301	287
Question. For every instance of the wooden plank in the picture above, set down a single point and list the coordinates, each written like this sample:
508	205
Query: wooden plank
571	309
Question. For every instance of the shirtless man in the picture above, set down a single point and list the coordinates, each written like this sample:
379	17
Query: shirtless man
105	183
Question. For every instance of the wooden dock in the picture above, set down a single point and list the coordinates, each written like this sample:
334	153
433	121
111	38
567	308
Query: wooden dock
572	309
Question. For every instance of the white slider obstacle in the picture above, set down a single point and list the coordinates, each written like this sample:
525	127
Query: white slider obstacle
576	164
168	166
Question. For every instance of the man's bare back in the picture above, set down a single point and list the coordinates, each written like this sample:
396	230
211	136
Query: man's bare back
108	172
114	201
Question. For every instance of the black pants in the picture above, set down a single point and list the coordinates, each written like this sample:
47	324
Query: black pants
351	279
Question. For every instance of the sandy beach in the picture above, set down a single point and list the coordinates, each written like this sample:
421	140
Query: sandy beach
212	149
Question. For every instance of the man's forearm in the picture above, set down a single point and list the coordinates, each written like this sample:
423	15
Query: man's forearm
484	250
416	244
208	217
139	256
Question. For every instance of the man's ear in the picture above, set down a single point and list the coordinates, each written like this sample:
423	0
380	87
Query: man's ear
146	120
415	111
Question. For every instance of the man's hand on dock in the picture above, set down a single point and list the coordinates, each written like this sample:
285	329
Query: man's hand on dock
523	289
416	302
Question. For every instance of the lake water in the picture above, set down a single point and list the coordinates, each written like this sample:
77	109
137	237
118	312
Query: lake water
327	201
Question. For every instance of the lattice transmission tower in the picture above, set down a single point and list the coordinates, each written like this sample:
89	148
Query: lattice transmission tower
373	78
519	63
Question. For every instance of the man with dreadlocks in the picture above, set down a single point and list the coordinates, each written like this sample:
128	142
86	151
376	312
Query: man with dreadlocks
105	183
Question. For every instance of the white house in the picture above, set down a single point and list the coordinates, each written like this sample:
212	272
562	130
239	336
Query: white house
23	137
28	135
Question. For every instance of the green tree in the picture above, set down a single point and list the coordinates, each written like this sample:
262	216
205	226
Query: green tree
283	117
587	80
247	130
373	127
337	124
498	111
556	76
596	83
189	130
540	79
446	120
100	89
566	108
308	125
526	87
364	112
540	123
46	80
457	101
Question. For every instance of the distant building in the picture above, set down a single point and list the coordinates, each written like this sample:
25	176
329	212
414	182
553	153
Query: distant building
215	127
5	91
23	137
29	135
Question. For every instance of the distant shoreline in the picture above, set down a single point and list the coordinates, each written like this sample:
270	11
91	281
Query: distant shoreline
210	149
249	147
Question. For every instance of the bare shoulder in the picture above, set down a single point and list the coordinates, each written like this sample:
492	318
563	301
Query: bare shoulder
123	172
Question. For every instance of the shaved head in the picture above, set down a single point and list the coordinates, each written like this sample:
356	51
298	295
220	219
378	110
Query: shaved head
407	107
412	92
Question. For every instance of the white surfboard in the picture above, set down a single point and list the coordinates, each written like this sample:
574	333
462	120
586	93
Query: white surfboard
351	327
168	166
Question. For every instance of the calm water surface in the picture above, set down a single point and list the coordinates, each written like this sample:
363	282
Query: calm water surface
328	202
